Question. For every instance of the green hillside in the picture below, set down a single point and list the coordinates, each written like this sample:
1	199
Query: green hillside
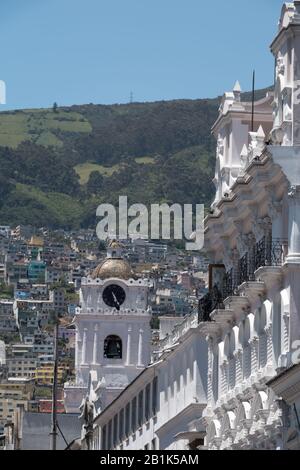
39	126
58	165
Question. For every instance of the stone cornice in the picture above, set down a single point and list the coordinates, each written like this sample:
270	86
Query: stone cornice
288	31
244	203
193	410
287	384
91	282
243	110
109	315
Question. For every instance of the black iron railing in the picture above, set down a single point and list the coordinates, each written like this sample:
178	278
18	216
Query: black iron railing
264	253
270	252
230	284
210	302
243	271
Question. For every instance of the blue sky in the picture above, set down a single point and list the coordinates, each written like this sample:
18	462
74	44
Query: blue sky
82	51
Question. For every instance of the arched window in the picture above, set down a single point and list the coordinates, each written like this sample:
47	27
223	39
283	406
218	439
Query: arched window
113	347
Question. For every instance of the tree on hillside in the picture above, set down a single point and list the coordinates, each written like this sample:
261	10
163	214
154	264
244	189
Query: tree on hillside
54	108
5	186
27	163
95	182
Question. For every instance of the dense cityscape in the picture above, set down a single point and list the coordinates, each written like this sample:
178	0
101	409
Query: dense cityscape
40	279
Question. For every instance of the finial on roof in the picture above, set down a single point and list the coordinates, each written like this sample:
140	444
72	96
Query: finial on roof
237	87
237	91
244	152
260	132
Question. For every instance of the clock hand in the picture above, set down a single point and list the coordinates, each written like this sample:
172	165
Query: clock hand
116	300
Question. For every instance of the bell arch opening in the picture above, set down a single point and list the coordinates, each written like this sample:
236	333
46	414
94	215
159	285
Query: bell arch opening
113	347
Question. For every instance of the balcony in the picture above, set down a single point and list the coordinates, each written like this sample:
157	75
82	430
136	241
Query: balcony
213	300
270	253
266	253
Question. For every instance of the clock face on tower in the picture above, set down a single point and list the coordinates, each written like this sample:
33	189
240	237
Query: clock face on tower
114	296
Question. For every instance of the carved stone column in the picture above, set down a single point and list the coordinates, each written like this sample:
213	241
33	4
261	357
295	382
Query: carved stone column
84	347
254	345
222	379
239	366
285	332
294	225
128	355
78	349
291	315
268	330
95	346
140	348
210	372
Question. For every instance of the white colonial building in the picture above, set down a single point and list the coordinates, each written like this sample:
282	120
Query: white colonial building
113	335
227	377
253	236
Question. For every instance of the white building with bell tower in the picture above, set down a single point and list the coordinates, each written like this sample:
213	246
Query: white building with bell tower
113	334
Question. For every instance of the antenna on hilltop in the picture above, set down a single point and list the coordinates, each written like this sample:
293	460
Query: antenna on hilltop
131	97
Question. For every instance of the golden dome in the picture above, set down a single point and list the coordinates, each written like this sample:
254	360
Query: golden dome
36	241
113	267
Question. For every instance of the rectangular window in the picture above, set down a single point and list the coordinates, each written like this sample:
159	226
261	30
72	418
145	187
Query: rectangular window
121	425
141	408
115	440
147	402
103	443
154	395
109	446
127	420
133	415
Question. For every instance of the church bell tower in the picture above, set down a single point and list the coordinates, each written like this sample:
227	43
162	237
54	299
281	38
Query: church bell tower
113	334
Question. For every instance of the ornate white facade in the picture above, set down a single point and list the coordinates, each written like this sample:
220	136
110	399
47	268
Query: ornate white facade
232	131
124	328
254	232
225	378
